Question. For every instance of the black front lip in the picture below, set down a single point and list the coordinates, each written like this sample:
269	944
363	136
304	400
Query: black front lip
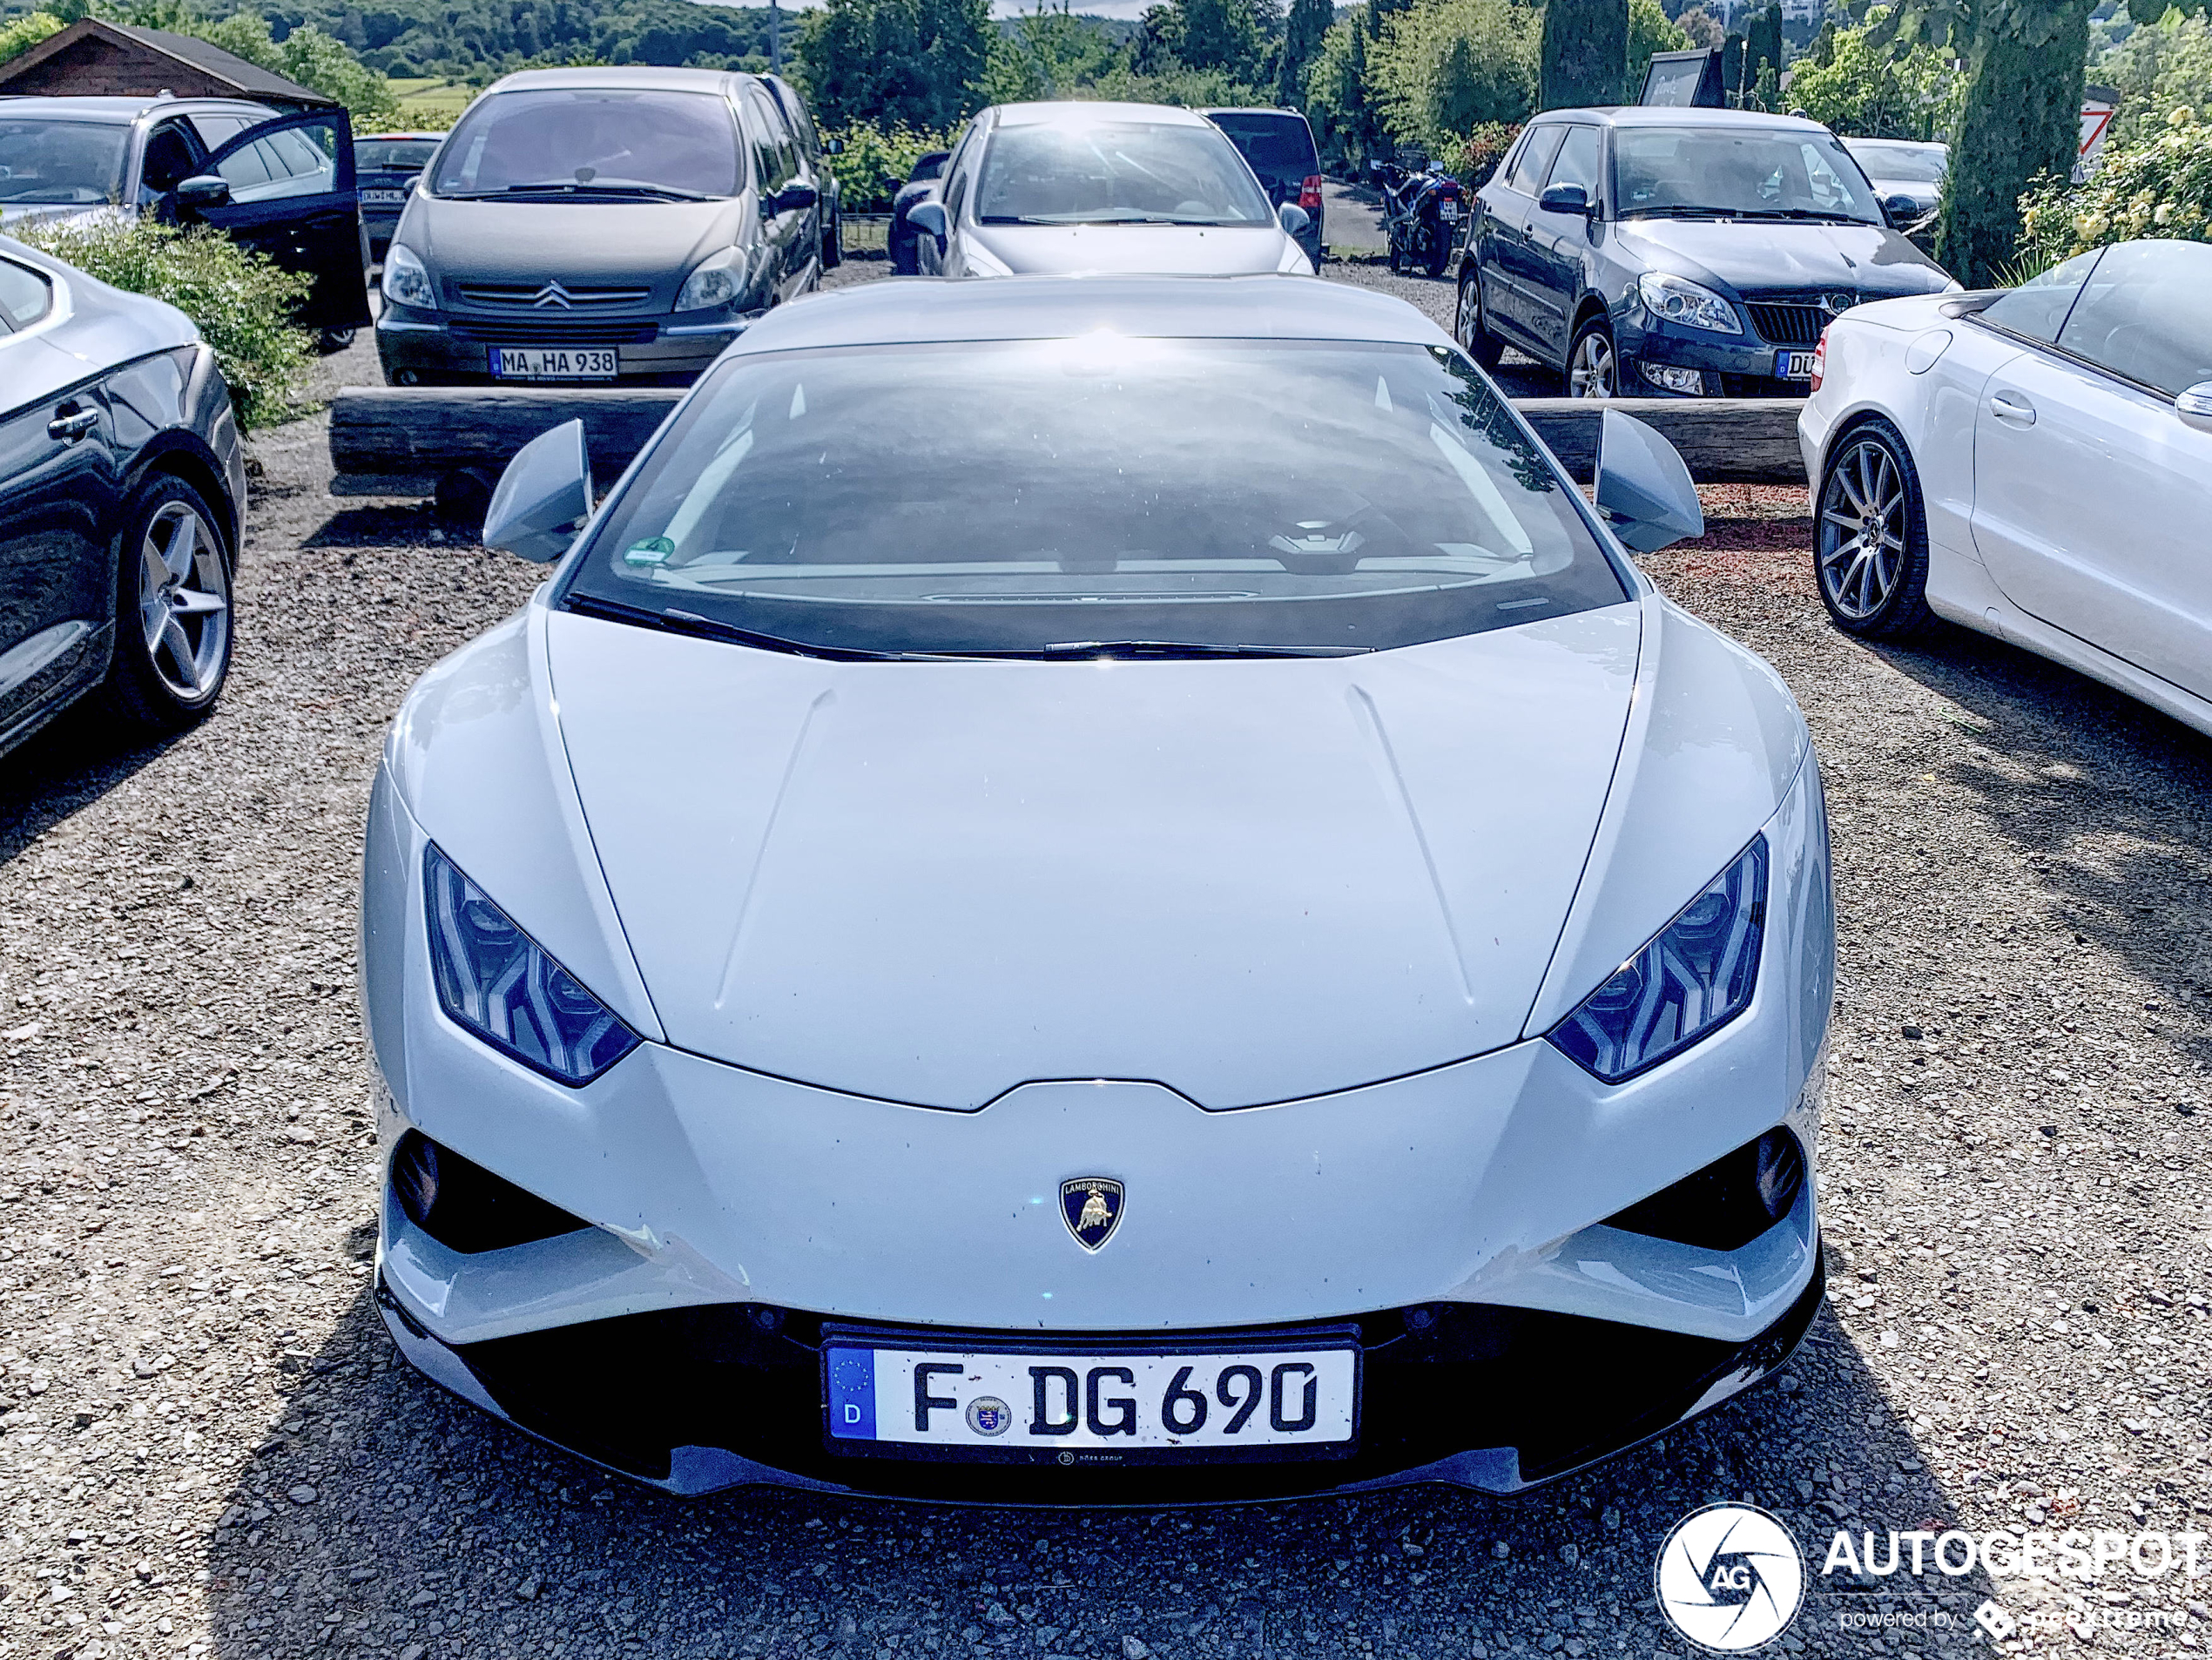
649	1397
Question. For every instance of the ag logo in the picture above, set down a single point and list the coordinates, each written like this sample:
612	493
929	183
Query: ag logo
1730	1577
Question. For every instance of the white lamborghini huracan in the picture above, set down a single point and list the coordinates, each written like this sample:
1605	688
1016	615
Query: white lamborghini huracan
1083	890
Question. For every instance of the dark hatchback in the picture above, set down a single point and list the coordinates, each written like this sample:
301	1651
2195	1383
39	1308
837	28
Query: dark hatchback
1688	252
386	166
1279	146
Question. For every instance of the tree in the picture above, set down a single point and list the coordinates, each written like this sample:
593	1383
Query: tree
1763	42
2160	67
1440	69
2021	118
1700	27
1649	32
1585	54
1904	90
1302	31
1344	123
306	55
898	63
1229	36
19	35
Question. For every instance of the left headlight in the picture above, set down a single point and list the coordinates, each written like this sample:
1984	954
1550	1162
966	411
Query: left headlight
715	283
1677	299
1693	978
494	980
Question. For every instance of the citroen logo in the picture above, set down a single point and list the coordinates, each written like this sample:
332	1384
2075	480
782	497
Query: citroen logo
1091	1207
552	294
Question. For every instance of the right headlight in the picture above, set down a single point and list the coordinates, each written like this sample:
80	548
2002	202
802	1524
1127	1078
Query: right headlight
499	983
718	281
407	280
1677	299
1693	978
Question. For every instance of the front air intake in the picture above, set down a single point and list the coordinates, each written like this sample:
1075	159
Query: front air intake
464	1206
1727	1204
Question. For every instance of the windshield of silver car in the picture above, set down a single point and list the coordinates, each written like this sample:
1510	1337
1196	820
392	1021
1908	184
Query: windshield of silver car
1123	172
561	143
75	162
1030	496
1734	173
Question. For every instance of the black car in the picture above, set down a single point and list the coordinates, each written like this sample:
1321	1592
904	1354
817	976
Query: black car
813	168
386	166
121	477
1279	145
282	184
902	240
1658	252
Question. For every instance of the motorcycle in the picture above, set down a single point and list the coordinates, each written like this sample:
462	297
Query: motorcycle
1424	213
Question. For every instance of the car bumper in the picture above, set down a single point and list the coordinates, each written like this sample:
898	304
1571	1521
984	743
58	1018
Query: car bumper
1726	365
650	351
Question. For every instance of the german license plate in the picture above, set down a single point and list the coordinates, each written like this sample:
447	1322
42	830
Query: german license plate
554	363
1090	1406
1447	210
383	197
1793	366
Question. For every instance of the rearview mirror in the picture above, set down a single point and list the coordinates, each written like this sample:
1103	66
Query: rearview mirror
202	191
1644	492
2195	407
930	217
1295	220
1564	198
545	489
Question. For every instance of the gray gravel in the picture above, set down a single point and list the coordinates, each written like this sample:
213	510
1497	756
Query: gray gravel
209	1448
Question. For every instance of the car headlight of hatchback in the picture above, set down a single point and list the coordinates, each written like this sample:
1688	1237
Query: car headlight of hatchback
717	282
406	280
1693	978
494	979
1677	299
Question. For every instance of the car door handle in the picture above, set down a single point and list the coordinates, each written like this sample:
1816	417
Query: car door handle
68	425
2010	406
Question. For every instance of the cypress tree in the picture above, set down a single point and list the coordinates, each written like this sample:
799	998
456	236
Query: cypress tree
2023	117
1585	53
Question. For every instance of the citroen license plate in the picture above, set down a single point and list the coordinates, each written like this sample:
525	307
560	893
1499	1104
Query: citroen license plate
554	363
1793	366
1091	1405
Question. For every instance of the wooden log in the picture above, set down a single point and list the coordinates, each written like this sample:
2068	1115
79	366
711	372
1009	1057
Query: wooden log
1723	440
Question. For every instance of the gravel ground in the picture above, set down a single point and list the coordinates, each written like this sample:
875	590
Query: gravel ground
209	1449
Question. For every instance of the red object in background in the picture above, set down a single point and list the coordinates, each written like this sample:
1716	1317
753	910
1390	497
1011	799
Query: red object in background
1820	359
1309	193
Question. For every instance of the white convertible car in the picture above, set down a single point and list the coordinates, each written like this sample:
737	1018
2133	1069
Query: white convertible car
1100	890
2035	463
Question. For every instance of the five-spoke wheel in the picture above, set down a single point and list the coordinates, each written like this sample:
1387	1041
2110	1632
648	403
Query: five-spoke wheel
1592	370
173	636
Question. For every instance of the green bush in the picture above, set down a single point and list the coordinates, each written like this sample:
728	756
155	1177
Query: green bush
2160	186
876	162
2160	67
19	35
237	298
1442	68
1866	82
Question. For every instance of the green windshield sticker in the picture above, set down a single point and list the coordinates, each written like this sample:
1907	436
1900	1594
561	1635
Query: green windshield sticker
653	551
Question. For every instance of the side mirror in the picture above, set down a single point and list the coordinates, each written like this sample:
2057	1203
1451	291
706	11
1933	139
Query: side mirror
930	217
793	198
1295	220
1643	490
202	191
545	489
1564	198
2195	407
833	146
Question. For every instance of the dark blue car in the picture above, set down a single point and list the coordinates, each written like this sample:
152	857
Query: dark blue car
1677	253
386	166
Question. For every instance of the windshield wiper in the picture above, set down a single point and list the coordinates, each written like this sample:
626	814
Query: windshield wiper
1068	220
672	621
1818	214
1168	648
573	187
1682	211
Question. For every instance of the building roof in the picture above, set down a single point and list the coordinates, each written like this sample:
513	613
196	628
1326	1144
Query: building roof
250	80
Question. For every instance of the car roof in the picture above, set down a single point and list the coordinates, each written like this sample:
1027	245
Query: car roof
1640	115
121	111
1254	109
627	77
919	309
1090	112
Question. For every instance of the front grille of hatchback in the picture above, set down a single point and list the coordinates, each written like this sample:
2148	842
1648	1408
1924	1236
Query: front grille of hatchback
1790	324
557	330
526	296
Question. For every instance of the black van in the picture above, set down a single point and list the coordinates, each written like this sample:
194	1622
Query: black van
1279	147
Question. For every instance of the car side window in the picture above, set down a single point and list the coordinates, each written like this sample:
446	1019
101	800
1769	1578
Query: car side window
291	162
25	296
956	174
1578	159
1526	173
216	130
2141	313
772	156
173	156
2037	308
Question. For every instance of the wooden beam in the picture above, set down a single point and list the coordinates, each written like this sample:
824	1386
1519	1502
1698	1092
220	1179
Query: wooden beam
1723	440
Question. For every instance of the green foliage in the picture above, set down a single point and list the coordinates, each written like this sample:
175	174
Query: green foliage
237	297
1050	52
876	161
19	35
1345	123
1476	157
1443	67
2160	67
903	62
305	55
1585	53
2161	185
2021	116
1762	42
1855	83
1649	32
1231	37
1307	22
1699	26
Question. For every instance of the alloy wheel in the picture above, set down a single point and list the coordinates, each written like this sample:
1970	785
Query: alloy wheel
183	602
1470	317
1590	372
1862	529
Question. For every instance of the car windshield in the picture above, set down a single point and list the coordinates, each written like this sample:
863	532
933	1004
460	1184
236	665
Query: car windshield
1734	173
393	155
562	142
1118	172
1905	164
62	161
1036	497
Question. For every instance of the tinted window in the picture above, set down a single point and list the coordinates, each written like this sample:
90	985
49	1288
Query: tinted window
2039	306
1124	171
2146	312
216	130
393	155
171	157
62	161
1279	146
1578	160
1733	173
773	153
25	296
797	118
1534	160
563	141
297	161
1011	496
